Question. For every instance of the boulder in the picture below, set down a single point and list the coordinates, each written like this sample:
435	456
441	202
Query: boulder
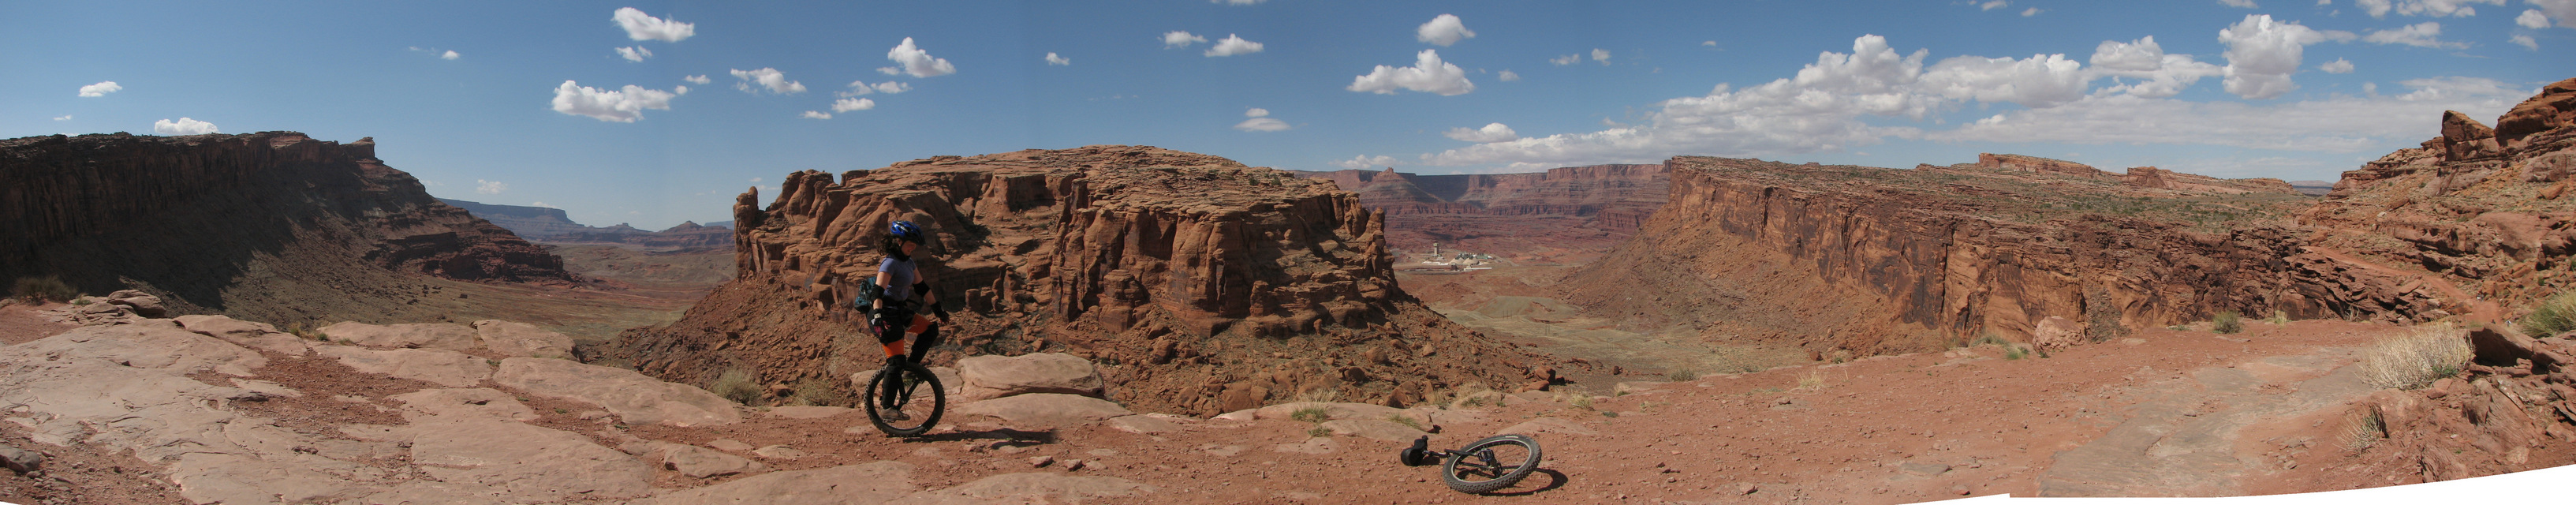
868	483
2056	333
526	462
522	339
1031	487
632	396
153	344
408	335
441	367
1374	428
1046	410
456	404
988	377
141	303
701	462
21	460
259	336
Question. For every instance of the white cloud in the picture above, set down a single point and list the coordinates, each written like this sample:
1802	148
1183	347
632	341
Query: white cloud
1508	76
2338	66
2038	81
768	78
916	62
2034	11
1233	45
2158	74
2526	42
1428	74
183	126
66	117
1992	5
635	53
1261	124
697	79
2418	35
815	115
640	26
1052	59
1566	59
2533	19
2339	124
2249	4
1363	162
2262	53
450	55
624	106
851	104
1443	31
490	187
1256	112
100	89
1601	55
2426	8
1177	38
540	204
1492	132
2561	11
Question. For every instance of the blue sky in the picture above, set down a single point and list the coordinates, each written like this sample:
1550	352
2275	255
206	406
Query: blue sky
472	97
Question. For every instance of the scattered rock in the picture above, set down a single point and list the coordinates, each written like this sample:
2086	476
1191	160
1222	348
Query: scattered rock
730	445
809	412
266	388
522	339
878	482
1041	461
1239	415
455	337
632	396
458	404
1046	410
1316	445
1222	450
2054	333
443	367
1373	428
526	462
1924	469
1633	387
988	377
700	462
245	333
21	460
141	303
1033	487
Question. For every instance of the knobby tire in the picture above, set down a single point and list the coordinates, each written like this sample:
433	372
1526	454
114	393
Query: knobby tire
914	378
1504	472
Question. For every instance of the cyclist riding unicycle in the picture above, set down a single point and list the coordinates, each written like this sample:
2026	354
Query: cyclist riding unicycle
904	399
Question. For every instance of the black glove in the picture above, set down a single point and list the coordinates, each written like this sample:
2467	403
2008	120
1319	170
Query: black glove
942	311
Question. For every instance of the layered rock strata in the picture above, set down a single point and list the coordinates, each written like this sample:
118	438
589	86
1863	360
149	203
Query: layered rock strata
551	226
1197	282
250	225
1587	208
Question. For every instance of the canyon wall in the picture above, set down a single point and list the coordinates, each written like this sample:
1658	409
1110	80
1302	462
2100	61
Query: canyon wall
274	226
1586	209
1201	285
551	226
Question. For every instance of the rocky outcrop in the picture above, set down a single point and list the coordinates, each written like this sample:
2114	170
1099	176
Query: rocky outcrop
2020	163
1151	261
548	225
1585	208
249	225
2157	178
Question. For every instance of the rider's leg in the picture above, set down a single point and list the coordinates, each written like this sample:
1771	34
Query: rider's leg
921	343
892	339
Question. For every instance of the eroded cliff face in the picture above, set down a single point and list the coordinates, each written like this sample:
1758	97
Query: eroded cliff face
272	226
1585	209
1200	284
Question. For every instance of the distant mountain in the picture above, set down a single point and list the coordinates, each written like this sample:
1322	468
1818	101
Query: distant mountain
552	226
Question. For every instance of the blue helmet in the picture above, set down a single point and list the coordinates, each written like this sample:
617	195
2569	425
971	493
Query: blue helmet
906	230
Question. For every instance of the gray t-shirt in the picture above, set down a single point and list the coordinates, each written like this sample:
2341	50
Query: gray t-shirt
902	274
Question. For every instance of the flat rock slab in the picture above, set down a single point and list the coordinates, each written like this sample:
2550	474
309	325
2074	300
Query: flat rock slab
455	337
454	404
1046	410
259	336
430	492
526	462
1557	425
436	366
233	478
522	339
635	398
988	377
153	344
1372	428
1143	424
1032	487
701	462
869	483
809	412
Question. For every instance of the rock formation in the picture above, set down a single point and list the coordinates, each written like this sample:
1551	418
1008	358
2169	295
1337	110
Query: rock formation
272	226
1587	207
1197	282
551	226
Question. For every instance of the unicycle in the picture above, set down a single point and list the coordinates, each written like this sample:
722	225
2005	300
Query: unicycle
904	399
1485	466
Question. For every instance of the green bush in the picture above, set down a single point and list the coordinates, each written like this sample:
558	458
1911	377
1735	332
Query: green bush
1311	414
43	289
2552	316
737	385
2227	321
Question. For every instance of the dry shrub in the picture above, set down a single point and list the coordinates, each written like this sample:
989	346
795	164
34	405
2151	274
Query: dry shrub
2416	359
1815	379
736	384
43	289
2227	321
818	391
2551	316
2361	429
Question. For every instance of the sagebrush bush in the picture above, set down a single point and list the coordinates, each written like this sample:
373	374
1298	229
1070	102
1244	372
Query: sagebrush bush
2227	321
818	391
43	289
736	384
2416	359
2552	316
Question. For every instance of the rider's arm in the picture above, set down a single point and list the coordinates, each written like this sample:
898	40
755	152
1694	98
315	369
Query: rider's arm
885	280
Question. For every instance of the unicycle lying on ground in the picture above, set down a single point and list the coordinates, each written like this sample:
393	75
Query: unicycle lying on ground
1485	466
904	399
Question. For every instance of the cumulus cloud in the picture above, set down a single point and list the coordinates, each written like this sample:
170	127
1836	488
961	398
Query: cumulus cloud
1492	132
1428	74
2338	66
2034	11
100	89
1992	5
2426	8
2249	4
2418	35
1508	76
183	126
697	79
1233	45
66	117
889	87
2343	123
2038	81
2157	74
913	61
815	115
450	55
490	187
1566	59
1052	59
2533	19
634	53
641	26
1177	38
768	78
2557	10
1259	121
1443	31
1601	55
624	106
2262	53
851	104
1363	162
2526	42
